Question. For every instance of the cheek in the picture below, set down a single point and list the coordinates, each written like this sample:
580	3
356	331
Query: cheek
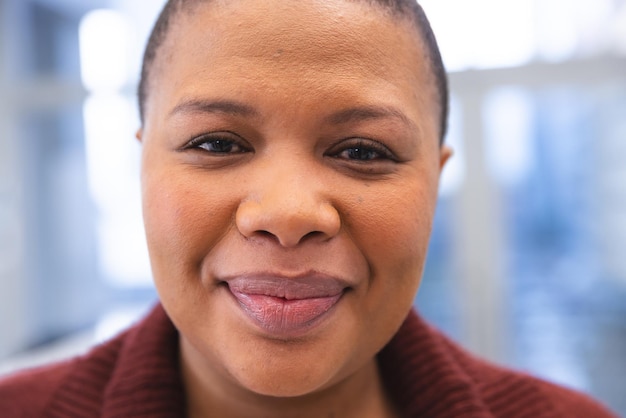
393	230
184	218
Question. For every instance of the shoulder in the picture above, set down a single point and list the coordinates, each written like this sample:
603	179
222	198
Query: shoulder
110	375
571	403
507	391
26	393
31	392
430	375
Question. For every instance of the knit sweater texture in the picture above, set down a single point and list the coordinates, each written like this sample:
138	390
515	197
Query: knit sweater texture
137	375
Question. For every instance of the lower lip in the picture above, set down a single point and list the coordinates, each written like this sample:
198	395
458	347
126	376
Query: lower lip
280	316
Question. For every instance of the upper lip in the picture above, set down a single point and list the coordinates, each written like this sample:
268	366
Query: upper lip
304	286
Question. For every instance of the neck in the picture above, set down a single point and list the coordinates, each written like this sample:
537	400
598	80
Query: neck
208	394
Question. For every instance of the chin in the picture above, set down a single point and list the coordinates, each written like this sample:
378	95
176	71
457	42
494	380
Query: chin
287	383
271	389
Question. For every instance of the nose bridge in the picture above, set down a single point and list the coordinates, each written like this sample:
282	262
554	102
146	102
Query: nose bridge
290	185
287	200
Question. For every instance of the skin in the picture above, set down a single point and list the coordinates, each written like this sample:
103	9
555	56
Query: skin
287	191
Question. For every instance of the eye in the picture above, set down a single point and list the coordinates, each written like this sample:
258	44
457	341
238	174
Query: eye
363	150
218	144
360	154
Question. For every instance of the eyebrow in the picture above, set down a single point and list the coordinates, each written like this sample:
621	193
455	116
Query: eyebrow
350	115
228	107
365	113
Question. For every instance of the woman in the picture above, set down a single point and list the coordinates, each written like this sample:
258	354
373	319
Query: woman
291	158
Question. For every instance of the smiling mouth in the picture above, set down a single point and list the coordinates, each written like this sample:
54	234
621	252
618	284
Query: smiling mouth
285	306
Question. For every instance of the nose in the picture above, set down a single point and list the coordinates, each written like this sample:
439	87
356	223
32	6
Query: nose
289	208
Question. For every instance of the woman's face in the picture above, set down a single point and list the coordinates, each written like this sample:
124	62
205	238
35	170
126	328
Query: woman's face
290	171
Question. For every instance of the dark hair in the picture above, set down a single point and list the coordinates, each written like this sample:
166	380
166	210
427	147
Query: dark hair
401	8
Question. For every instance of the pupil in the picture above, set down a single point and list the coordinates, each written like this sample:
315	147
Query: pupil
222	146
361	154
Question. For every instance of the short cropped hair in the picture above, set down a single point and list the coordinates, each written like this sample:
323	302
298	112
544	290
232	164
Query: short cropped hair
399	8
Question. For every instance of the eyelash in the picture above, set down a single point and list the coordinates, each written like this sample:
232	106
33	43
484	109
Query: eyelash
374	151
199	141
367	145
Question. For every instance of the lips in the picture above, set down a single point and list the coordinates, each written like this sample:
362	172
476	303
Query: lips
284	306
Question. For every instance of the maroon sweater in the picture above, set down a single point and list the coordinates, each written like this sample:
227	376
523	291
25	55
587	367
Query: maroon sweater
137	375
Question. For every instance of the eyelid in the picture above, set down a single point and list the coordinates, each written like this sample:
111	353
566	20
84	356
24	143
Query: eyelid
359	142
198	140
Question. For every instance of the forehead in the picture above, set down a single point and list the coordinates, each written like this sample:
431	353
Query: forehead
312	42
332	29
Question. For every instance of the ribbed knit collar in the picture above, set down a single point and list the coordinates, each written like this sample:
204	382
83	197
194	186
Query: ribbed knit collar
423	379
137	375
134	375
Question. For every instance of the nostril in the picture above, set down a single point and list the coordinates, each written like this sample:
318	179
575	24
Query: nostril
266	234
311	234
262	235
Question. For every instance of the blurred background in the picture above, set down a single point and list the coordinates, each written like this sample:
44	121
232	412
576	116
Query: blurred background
527	264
